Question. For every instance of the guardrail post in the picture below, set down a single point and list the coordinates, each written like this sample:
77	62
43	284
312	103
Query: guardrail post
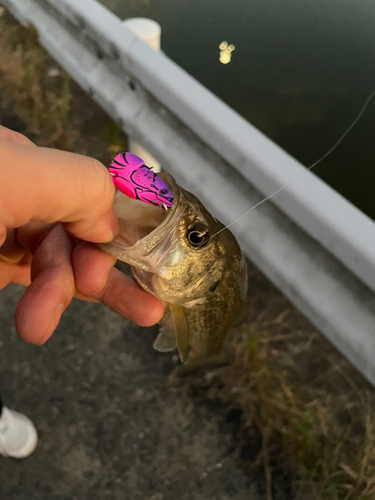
150	32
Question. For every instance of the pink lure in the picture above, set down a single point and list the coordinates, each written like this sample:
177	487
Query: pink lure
134	179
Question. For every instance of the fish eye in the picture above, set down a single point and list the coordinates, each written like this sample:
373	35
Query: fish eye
163	191
198	234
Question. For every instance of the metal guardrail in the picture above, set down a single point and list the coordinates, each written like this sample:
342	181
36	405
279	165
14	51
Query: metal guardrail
311	242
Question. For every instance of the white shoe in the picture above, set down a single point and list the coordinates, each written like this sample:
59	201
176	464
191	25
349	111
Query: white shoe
18	436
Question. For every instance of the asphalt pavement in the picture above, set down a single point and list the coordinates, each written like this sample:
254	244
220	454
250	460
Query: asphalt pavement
114	419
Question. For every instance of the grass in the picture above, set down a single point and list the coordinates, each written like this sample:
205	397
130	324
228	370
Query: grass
23	66
321	428
315	414
43	96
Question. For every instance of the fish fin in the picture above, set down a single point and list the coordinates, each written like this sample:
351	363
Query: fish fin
166	340
181	325
192	363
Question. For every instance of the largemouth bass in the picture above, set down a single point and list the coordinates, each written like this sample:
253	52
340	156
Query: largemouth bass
200	278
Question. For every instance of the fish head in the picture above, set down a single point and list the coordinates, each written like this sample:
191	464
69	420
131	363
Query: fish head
194	256
182	255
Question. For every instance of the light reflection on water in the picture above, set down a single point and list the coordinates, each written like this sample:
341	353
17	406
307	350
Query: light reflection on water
300	72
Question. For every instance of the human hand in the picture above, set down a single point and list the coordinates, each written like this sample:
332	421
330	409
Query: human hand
53	207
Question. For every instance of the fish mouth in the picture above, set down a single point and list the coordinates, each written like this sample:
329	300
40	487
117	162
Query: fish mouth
145	229
139	220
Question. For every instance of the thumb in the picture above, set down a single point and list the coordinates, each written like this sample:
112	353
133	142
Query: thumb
48	185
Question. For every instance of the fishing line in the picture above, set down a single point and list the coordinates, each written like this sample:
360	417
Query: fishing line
337	143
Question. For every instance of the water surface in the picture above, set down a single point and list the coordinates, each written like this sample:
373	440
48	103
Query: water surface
300	72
